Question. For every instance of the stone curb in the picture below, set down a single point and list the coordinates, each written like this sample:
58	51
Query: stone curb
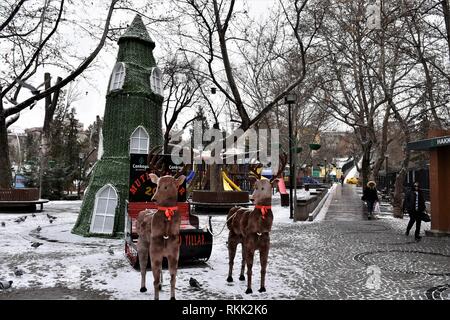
316	211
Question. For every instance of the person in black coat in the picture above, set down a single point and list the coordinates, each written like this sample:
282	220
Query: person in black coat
370	195
414	204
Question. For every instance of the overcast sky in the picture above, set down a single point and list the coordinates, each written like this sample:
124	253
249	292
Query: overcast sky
92	92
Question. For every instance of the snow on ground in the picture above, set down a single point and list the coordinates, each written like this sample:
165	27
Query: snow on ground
306	261
71	261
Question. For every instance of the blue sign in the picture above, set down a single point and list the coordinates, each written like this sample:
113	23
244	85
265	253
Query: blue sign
20	181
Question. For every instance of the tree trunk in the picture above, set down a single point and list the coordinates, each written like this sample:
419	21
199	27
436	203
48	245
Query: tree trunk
51	102
446	10
365	167
5	164
383	146
215	178
397	202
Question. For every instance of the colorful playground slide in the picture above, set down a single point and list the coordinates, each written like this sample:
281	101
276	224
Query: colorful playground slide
190	176
282	186
228	184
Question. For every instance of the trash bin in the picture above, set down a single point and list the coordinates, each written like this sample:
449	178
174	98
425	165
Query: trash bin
285	199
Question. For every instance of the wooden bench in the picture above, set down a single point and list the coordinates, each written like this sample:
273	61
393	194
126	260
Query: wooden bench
26	198
24	204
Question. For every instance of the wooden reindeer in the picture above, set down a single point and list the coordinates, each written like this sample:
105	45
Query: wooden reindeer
159	231
252	228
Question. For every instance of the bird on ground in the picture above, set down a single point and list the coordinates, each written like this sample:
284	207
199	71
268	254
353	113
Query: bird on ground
194	283
36	244
5	285
51	220
51	217
3	224
18	220
38	229
18	272
110	251
23	218
33	215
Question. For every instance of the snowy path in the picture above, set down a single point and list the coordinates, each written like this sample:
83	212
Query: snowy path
319	260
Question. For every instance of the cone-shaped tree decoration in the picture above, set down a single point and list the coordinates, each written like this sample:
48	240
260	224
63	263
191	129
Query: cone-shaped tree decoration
132	124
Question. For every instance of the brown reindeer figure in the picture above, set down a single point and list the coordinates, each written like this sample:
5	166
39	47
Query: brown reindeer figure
159	231
252	228
144	228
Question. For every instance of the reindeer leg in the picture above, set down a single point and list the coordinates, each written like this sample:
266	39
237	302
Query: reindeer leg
242	277
173	266
232	245
249	253
143	259
161	279
156	269
263	257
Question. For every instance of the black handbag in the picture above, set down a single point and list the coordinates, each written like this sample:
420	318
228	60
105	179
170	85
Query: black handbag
425	217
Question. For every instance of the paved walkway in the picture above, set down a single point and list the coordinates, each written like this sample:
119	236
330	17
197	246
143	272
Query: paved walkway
346	205
344	256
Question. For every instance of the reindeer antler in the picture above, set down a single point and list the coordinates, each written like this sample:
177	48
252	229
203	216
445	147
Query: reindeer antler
154	163
281	166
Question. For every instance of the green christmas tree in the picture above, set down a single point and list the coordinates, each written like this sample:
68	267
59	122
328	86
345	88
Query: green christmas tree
132	124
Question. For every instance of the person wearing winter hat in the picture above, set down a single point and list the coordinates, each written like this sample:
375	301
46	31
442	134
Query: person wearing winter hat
370	195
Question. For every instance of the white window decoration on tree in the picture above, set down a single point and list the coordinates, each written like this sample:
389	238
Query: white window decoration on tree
156	81
104	210
117	77
139	141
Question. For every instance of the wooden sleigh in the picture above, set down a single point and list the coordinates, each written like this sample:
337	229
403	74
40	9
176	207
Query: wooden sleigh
195	241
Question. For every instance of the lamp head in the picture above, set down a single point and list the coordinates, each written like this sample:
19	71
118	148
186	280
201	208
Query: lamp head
290	98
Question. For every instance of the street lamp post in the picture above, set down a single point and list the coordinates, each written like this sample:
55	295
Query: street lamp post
80	158
386	157
289	100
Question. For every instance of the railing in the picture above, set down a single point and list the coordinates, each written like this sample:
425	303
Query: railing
29	194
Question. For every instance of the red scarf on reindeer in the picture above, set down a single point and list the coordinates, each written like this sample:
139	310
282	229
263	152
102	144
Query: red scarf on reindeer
264	210
168	211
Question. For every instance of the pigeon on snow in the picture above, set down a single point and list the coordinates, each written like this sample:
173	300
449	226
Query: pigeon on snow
18	272
3	224
36	244
38	229
5	285
110	251
194	283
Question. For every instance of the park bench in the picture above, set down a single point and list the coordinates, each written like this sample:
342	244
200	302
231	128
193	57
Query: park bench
24	199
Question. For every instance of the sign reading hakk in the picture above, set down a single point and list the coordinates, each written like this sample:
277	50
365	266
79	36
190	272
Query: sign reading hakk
142	188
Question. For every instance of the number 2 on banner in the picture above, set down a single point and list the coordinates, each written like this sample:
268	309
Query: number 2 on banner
149	191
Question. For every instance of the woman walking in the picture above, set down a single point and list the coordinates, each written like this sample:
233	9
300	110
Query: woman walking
370	195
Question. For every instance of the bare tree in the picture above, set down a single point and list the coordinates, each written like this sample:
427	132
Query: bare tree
220	28
28	29
183	93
